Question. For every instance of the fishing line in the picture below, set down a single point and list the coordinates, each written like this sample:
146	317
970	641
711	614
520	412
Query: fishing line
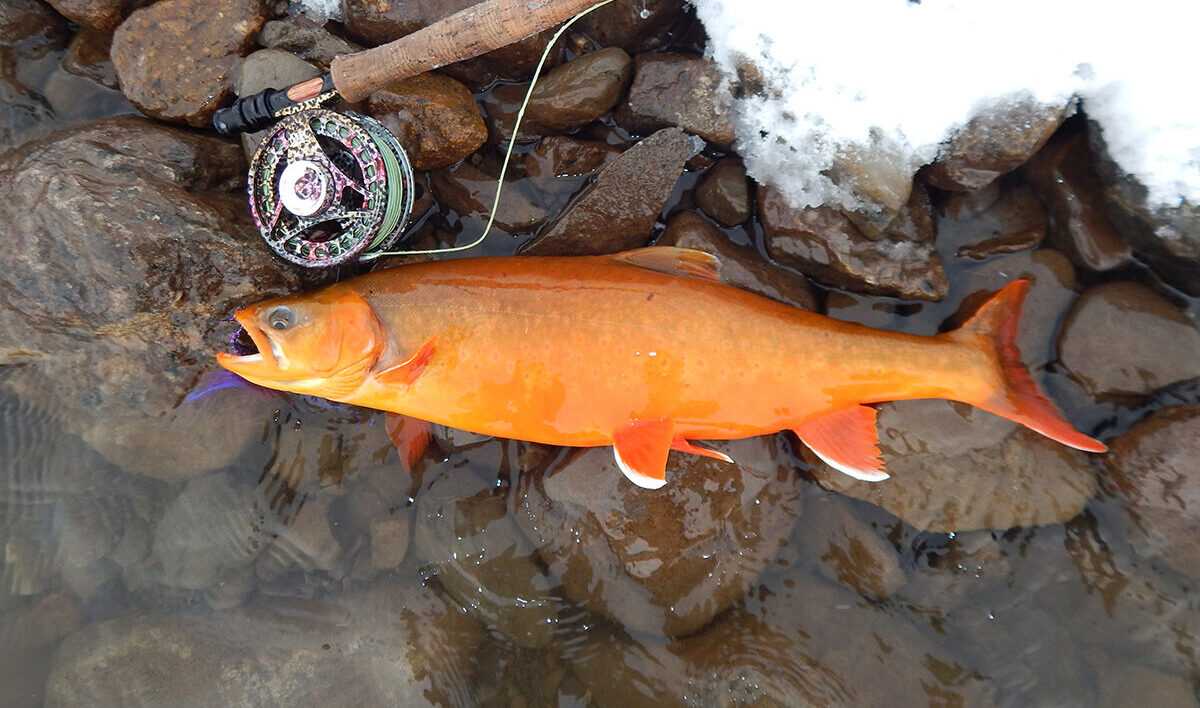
371	255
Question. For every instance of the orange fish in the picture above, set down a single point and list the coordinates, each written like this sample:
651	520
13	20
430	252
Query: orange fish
644	350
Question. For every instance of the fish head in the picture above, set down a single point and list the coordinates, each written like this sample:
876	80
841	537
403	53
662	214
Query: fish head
322	344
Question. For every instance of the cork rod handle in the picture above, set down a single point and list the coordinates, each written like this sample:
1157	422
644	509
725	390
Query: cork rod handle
465	34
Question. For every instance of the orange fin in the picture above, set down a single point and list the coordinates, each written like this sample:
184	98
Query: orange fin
410	436
411	368
1020	400
687	262
846	440
641	450
684	446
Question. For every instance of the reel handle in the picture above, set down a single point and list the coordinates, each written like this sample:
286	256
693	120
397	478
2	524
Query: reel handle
251	113
465	34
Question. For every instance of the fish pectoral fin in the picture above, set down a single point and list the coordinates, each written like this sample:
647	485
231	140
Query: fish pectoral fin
846	440
684	446
641	450
671	260
411	368
410	436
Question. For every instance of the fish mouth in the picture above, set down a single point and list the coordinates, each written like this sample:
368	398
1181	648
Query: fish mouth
255	354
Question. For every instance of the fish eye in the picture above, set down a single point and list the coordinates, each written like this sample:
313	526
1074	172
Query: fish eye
281	317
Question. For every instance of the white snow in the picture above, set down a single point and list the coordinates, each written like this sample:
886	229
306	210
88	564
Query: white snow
901	76
321	9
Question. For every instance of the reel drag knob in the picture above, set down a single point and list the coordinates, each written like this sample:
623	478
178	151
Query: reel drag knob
304	188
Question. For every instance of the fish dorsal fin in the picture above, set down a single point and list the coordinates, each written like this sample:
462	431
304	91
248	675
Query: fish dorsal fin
671	260
408	370
641	450
846	440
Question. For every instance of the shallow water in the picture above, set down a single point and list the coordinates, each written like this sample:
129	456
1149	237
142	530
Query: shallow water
311	567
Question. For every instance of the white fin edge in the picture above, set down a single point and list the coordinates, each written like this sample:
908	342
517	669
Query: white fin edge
863	475
641	480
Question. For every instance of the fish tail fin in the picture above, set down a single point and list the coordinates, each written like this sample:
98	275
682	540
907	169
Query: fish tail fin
1018	398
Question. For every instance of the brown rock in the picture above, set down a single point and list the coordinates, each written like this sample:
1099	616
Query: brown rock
29	30
100	15
304	38
1063	176
1155	469
956	468
571	95
470	191
634	25
88	56
618	210
1015	221
724	192
848	551
434	117
877	177
668	561
741	266
824	243
995	142
559	156
1122	339
264	69
389	541
175	59
680	90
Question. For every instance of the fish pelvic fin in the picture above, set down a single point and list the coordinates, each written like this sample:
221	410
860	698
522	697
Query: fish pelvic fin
995	326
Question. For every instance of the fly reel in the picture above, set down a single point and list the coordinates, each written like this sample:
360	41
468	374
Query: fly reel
326	187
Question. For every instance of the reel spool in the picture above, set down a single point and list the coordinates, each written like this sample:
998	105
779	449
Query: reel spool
325	187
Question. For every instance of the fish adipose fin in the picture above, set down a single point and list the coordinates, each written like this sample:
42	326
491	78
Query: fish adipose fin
641	450
410	369
671	260
846	440
1020	399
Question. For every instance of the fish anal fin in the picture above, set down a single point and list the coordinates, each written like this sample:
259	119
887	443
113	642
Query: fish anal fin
410	436
687	262
641	450
684	446
846	439
407	371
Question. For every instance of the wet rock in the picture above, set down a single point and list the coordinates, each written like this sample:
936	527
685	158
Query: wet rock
995	142
634	25
1104	343
848	551
464	531
724	192
1155	469
148	46
264	69
389	541
668	561
876	181
373	23
31	633
306	539
470	191
824	243
1122	684
434	117
231	588
618	210
956	570
741	266
1015	221
392	644
1065	180
127	248
679	90
102	16
88	56
306	39
572	95
29	30
956	468
559	156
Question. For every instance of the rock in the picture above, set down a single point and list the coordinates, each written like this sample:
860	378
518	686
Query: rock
389	541
558	156
1122	684
995	142
724	192
469	191
848	551
957	570
679	90
434	117
1015	221
264	69
103	16
665	562
956	468
1155	469
1107	340
824	243
464	532
618	210
160	251
29	30
392	644
175	59
1063	176
634	25
306	539
31	633
873	182
741	266
299	35
88	56
565	98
